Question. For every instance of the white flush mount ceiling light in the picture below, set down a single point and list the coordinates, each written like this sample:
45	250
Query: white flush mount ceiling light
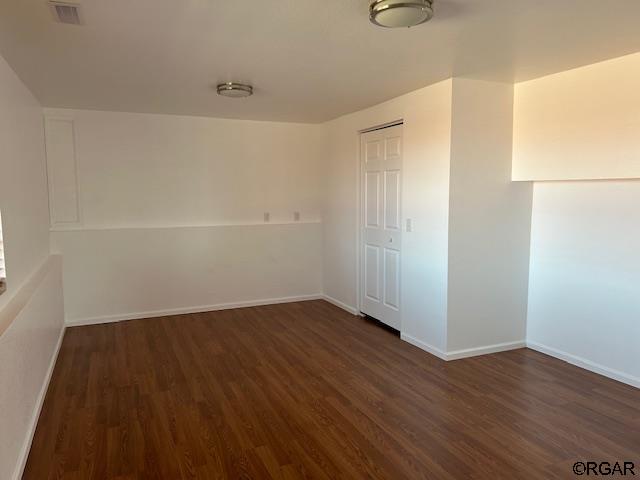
400	13
234	90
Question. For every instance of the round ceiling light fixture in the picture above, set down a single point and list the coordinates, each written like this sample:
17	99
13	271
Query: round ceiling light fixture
234	90
400	13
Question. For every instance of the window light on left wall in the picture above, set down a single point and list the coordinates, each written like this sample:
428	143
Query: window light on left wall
3	271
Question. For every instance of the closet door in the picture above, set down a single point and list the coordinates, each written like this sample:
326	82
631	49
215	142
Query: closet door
380	249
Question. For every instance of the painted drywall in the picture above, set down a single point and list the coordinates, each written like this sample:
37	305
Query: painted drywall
175	207
139	170
28	350
469	244
309	60
425	198
576	125
31	317
145	272
23	183
585	275
489	222
579	124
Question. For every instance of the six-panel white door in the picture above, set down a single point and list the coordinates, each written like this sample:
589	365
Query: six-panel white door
381	160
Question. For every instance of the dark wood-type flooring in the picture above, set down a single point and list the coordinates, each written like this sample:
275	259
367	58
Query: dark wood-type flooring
306	390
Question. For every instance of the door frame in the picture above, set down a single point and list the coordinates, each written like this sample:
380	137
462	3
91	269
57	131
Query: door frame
360	206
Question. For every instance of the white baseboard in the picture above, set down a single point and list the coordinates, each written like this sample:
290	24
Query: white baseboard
424	346
26	447
187	310
339	304
486	350
586	364
458	354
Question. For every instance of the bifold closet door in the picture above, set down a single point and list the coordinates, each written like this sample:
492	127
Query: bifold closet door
381	220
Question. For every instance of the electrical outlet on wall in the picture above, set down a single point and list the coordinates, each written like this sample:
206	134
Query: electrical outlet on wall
267	217
296	216
409	225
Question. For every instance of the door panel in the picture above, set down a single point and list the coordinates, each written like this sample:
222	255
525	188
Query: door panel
393	147
372	272
381	167
392	199
392	278
374	150
372	196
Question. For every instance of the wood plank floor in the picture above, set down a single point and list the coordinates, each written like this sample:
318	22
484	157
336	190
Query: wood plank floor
306	390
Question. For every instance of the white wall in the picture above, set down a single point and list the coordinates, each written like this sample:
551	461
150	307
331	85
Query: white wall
465	264
23	184
427	132
158	170
28	349
145	272
31	316
175	207
584	294
579	124
489	222
583	124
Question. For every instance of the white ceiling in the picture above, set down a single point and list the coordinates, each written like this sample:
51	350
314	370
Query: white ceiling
309	60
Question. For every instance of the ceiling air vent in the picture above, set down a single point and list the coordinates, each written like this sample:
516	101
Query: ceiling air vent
64	12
